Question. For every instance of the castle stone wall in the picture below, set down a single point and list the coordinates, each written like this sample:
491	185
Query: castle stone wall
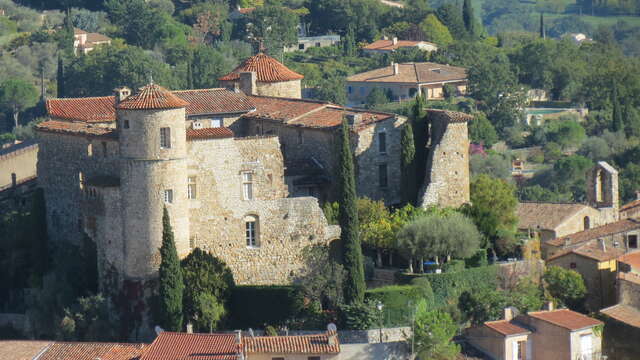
447	176
284	89
629	292
21	162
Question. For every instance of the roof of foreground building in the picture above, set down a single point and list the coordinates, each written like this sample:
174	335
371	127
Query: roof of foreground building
47	350
184	346
623	313
389	45
326	343
566	318
597	232
412	73
267	69
506	327
152	97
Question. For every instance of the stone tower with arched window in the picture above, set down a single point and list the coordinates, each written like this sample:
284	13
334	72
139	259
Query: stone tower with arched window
602	191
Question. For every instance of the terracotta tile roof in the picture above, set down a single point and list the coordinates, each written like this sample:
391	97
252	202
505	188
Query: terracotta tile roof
215	101
183	346
630	205
97	38
632	259
450	116
597	232
592	250
566	318
246	11
506	328
412	73
152	96
630	277
77	31
387	45
92	351
209	133
311	114
545	216
89	109
267	69
102	109
300	344
75	128
22	349
623	313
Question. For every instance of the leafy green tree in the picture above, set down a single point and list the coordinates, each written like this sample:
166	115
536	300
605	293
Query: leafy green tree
349	47
203	273
566	286
481	131
420	124
543	33
211	310
630	181
332	90
632	121
322	278
359	316
435	31
17	95
494	164
451	17
469	19
274	24
352	251
408	158
482	305
566	133
595	148
171	289
89	319
376	97
433	334
375	226
493	210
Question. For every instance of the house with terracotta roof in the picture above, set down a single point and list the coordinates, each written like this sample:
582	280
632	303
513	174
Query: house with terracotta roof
631	209
18	175
540	335
263	75
387	46
56	350
407	80
84	42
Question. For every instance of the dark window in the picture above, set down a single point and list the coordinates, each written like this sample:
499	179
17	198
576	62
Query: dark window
104	149
633	241
165	138
300	46
382	175
313	358
587	223
300	137
126	124
382	143
572	265
318	44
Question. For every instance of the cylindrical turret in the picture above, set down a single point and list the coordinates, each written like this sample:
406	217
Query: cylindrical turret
153	172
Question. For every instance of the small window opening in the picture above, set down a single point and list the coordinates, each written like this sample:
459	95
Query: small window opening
168	196
165	138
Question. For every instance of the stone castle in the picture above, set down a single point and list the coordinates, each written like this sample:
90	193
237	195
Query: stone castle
241	174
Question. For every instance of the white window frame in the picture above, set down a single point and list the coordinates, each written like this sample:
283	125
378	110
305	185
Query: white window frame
165	138
191	188
247	185
168	196
251	231
217	122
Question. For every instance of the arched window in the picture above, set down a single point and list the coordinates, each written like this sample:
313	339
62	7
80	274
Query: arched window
252	230
587	223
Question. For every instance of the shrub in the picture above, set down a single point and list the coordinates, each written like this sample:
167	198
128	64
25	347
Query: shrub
397	300
454	265
477	260
255	306
359	316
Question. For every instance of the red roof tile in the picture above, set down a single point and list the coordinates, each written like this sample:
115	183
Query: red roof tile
183	346
566	318
631	205
387	45
630	277
267	69
592	250
152	96
92	351
632	260
597	232
506	328
75	128
246	11
89	109
209	133
623	313
22	349
300	344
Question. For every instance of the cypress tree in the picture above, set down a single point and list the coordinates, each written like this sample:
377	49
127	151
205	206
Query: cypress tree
171	283
469	20
408	154
420	129
60	77
618	121
349	45
354	285
543	33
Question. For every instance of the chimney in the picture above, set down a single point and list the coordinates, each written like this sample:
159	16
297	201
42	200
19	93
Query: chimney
603	246
333	337
354	119
121	93
238	336
396	68
395	40
510	313
567	242
248	82
189	328
549	306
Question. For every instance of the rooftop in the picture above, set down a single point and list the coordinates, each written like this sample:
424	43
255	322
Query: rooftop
506	328
209	133
566	318
592	250
597	232
630	205
632	259
630	277
74	128
267	69
300	344
92	351
23	146
183	346
152	97
388	45
412	73
22	349
546	216
623	313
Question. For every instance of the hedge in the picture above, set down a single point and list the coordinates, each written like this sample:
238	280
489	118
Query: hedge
451	284
396	300
257	306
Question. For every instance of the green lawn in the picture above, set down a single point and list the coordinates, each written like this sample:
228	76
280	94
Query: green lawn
598	20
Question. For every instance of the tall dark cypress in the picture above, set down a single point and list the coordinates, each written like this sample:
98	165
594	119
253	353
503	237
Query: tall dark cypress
469	20
408	155
349	45
60	78
618	121
543	33
171	282
419	122
354	286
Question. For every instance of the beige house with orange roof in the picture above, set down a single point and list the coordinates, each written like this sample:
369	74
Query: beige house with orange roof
55	350
386	46
407	80
631	209
84	42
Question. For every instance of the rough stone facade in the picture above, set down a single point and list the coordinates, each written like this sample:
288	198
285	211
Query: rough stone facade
18	163
283	89
447	175
602	191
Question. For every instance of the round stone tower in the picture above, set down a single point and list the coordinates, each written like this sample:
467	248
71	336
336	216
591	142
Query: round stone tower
153	155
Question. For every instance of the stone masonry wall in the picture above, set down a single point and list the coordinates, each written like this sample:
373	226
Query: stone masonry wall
447	177
629	292
285	226
22	163
284	89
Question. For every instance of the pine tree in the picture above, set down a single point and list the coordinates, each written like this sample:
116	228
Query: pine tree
543	33
60	78
354	285
408	155
420	129
171	283
618	121
469	20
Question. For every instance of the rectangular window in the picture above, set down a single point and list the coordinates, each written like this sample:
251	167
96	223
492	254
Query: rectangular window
313	358
318	44
90	150
300	137
350	89
81	180
216	123
191	188
104	149
247	185
633	241
165	138
250	232
382	175
126	124
168	196
300	46
382	142
522	350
